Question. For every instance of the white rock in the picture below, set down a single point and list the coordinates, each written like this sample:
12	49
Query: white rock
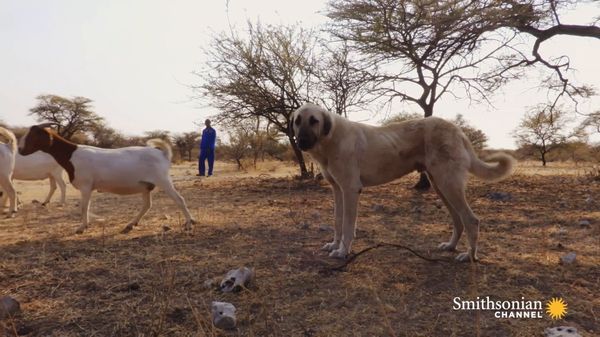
561	331
236	279
223	315
584	223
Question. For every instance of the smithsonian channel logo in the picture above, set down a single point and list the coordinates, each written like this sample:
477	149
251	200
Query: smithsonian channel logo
556	308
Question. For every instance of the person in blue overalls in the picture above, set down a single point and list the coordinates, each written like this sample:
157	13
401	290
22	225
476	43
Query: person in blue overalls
207	149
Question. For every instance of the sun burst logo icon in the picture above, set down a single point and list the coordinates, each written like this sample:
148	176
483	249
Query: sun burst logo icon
556	308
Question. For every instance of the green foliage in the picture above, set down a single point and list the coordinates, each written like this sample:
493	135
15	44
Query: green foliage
69	116
104	136
186	143
401	117
477	138
543	129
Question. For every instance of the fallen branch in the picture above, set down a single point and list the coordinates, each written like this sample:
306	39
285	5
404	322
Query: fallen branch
353	257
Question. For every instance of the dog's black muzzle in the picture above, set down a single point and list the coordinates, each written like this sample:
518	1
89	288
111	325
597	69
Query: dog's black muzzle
306	143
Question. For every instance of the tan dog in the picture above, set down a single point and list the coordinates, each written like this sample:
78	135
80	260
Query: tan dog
354	155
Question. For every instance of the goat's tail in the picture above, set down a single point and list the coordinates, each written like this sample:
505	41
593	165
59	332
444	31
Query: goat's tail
12	140
483	169
161	145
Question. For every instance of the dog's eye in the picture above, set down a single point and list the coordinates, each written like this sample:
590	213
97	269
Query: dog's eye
298	120
313	120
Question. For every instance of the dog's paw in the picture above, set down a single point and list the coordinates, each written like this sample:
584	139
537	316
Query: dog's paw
447	246
339	253
465	257
331	246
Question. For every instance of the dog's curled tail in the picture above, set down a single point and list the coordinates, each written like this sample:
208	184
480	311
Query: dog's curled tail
483	169
12	140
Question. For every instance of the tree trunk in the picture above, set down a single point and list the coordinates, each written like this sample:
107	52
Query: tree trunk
424	184
299	157
543	159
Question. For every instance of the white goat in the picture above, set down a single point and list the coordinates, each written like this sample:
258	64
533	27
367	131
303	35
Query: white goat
39	166
128	170
7	164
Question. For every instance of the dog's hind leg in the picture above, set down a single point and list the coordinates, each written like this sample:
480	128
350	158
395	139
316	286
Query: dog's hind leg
456	221
451	184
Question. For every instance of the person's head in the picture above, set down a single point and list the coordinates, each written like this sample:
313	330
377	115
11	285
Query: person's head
207	123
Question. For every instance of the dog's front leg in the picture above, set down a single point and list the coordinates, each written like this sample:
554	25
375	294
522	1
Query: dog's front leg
338	210
350	203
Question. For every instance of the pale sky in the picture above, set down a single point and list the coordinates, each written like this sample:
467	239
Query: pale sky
135	58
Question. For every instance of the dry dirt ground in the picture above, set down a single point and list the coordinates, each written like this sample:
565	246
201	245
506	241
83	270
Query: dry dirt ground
150	282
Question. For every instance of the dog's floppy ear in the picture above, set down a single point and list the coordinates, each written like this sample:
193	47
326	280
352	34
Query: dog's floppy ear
326	123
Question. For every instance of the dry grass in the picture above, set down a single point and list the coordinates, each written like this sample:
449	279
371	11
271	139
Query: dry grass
150	281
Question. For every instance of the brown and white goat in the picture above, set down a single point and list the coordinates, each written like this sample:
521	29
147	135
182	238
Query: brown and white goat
127	170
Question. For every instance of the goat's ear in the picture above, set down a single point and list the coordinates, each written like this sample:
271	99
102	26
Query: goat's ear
326	123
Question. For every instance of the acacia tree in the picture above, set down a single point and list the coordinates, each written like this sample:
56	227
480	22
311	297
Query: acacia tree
239	145
421	50
541	19
592	122
104	136
161	134
476	136
186	142
70	116
265	73
543	130
343	81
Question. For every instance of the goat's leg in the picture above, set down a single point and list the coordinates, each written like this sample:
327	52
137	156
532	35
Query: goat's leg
63	188
86	195
3	199
147	197
51	192
167	186
9	190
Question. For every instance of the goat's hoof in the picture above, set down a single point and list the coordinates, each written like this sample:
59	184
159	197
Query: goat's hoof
447	246
188	225
127	229
79	230
11	214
